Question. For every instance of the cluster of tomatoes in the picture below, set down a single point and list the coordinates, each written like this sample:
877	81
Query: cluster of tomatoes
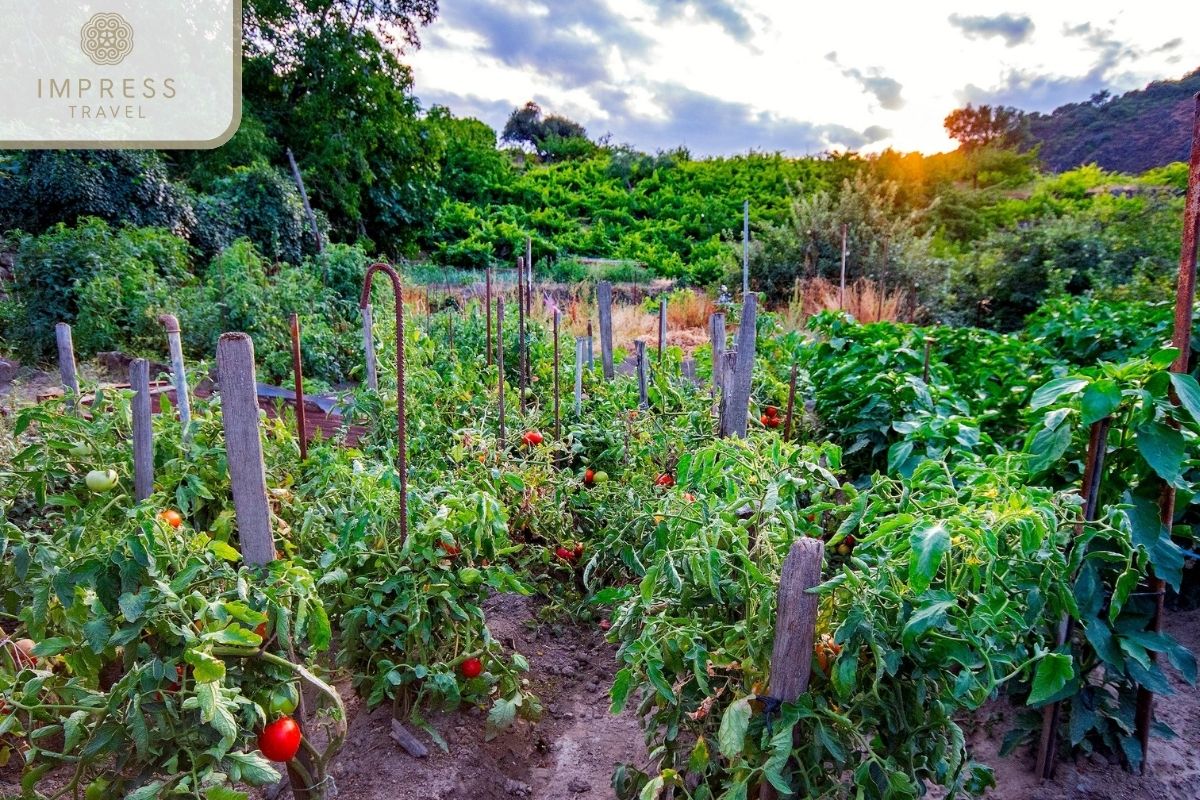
591	477
827	651
569	554
770	417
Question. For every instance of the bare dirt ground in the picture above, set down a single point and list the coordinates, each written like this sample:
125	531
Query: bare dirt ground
569	754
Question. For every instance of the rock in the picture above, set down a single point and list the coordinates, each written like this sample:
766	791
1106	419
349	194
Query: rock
578	786
517	789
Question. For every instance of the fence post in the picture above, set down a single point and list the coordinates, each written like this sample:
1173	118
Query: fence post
791	406
745	248
604	304
557	418
178	372
716	337
739	391
662	329
1185	298
369	349
500	366
580	345
298	377
795	627
591	356
66	362
143	441
488	302
643	395
842	287
727	369
928	353
243	446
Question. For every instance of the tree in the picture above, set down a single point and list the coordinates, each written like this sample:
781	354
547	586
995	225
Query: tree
279	28
553	138
976	127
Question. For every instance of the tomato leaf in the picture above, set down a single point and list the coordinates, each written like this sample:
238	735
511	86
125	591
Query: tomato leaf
731	737
929	543
206	668
1052	673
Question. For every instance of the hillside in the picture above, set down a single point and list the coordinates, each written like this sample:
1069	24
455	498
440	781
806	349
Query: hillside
1137	131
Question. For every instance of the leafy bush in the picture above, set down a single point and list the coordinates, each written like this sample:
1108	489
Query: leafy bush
256	203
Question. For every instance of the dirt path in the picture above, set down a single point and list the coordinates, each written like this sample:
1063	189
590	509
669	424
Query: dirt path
569	754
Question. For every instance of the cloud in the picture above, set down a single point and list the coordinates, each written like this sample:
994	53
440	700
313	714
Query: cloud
721	12
1031	91
887	91
1167	46
876	133
1013	29
569	42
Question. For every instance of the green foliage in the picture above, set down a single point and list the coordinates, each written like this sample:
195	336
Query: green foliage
111	282
257	203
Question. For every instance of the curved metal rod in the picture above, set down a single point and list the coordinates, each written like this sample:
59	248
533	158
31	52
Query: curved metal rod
401	446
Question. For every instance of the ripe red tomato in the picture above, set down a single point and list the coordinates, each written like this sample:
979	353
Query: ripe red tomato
764	419
772	411
665	480
563	553
171	517
451	549
532	438
773	422
589	477
472	668
261	630
280	741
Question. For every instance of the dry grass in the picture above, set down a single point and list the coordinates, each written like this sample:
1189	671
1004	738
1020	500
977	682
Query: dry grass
864	301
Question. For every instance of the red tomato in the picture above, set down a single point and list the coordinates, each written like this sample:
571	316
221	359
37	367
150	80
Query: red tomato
171	517
764	419
280	741
772	411
666	480
451	549
688	497
472	668
532	438
605	624
261	630
773	422
589	477
563	553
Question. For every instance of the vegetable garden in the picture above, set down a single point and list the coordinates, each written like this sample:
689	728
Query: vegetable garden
806	607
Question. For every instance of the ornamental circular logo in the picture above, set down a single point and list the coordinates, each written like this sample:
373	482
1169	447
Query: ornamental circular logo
107	39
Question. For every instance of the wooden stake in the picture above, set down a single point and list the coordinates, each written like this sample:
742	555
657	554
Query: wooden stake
500	366
488	303
66	363
643	395
308	212
662	328
369	349
791	406
842	289
521	333
928	353
882	283
557	418
143	441
580	347
243	447
528	275
591	356
178	372
795	627
727	368
744	372
298	377
716	338
745	248
1185	298
604	303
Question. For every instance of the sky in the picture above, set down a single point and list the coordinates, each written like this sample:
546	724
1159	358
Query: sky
729	76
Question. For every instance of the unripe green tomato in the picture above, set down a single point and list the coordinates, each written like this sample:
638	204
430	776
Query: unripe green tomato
284	699
600	477
101	480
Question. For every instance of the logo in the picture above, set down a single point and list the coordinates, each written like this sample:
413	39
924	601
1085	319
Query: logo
106	39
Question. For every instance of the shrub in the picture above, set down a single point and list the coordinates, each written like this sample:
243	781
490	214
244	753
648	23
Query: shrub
257	203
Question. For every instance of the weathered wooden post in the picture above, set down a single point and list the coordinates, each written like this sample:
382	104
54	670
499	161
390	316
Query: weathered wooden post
488	303
401	403
643	395
143	441
795	628
662	328
298	378
739	390
591	356
521	333
500	367
580	346
728	369
243	445
842	289
928	353
716	338
791	406
745	248
557	418
1185	298
66	363
882	283
604	304
178	372
369	348
1093	475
